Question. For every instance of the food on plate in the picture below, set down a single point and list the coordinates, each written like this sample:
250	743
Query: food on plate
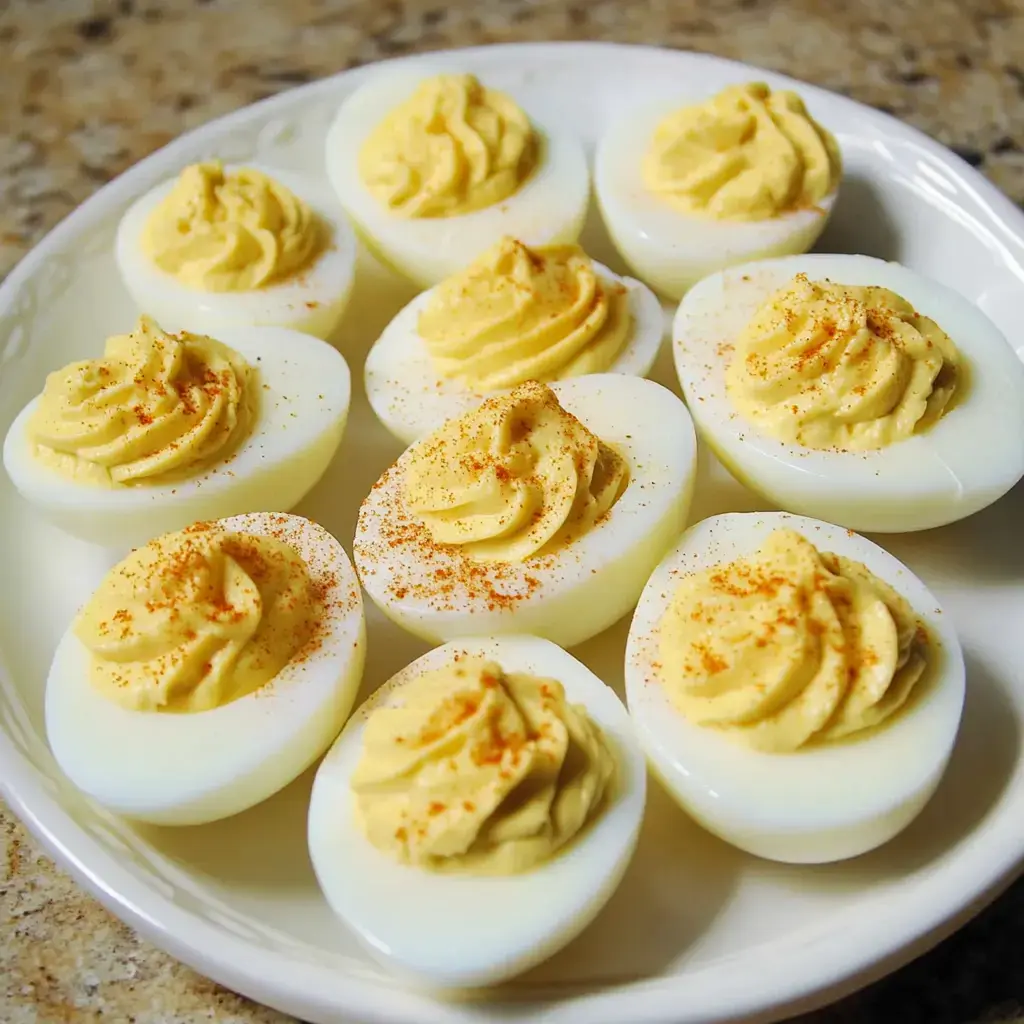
513	731
516	313
688	190
434	170
853	367
164	429
541	511
852	389
492	780
221	247
209	668
796	687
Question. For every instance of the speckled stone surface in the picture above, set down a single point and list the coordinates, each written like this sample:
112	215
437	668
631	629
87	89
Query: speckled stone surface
86	89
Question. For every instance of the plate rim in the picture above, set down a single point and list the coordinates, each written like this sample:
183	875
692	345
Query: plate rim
235	963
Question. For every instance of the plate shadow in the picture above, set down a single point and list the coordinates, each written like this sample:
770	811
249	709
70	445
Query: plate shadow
261	849
860	222
983	761
656	918
984	548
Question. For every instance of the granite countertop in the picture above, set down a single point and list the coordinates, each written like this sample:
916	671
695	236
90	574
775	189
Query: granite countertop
89	88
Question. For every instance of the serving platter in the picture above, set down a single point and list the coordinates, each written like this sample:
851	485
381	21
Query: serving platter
698	931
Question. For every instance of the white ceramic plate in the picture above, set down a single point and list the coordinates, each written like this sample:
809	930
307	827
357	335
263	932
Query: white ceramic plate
698	932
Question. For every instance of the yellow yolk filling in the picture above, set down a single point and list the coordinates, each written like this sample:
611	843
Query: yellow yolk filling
478	770
789	647
155	407
517	314
516	477
838	366
747	154
231	231
453	147
197	619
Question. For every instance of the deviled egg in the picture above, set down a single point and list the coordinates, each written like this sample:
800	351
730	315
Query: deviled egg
853	390
235	246
797	688
542	511
210	668
163	430
515	314
434	170
686	190
478	811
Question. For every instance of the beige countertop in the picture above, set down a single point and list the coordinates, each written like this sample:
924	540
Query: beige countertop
89	88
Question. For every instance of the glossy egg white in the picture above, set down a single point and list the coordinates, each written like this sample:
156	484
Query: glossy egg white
580	589
461	931
668	248
188	768
311	301
970	458
821	803
548	208
411	399
303	392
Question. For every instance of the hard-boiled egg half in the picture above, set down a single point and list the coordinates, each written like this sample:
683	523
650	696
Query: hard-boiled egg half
163	430
696	184
478	810
434	169
853	390
542	511
209	669
797	688
220	247
515	314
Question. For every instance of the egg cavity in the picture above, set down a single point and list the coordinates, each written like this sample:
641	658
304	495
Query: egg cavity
189	767
548	207
438	929
930	478
566	594
826	800
671	247
411	396
311	299
301	391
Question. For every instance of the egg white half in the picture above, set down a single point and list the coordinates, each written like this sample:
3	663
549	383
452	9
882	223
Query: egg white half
820	803
303	390
549	207
311	301
411	399
582	588
187	768
458	931
668	248
970	458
